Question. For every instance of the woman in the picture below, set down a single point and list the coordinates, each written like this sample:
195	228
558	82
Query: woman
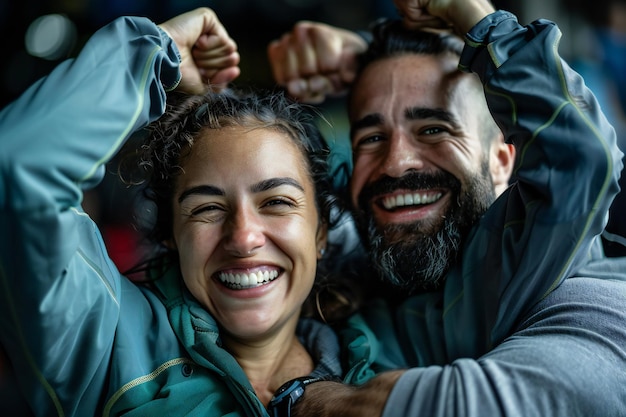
237	201
243	229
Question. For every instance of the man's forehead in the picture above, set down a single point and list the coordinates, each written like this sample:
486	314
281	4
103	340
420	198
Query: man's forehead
413	66
396	84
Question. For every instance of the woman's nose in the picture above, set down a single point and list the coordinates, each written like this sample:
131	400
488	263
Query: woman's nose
244	234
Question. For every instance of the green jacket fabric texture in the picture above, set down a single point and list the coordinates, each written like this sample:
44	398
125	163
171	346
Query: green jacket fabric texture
83	339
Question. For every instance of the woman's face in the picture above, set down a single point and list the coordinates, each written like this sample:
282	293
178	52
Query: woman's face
247	229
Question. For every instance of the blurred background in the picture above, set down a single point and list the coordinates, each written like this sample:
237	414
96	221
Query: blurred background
38	34
43	32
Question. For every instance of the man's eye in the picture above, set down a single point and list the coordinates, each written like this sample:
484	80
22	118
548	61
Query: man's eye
368	140
433	130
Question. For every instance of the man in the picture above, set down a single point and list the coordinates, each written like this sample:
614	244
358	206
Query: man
512	309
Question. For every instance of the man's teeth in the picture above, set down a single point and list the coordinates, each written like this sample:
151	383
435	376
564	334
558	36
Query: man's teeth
253	279
401	200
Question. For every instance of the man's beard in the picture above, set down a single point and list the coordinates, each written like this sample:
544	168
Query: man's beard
415	257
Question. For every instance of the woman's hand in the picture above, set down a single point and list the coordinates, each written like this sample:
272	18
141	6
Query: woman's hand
209	57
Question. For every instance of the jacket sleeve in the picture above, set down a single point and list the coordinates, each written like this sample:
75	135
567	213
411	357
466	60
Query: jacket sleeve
567	359
60	292
546	225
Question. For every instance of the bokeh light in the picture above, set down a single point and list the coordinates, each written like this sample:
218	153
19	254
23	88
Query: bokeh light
50	37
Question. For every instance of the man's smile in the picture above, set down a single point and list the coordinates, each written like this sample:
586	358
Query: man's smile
410	199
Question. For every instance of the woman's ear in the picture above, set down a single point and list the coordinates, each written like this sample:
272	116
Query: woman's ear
321	239
501	161
170	244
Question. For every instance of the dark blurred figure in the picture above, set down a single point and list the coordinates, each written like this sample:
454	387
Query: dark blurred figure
12	403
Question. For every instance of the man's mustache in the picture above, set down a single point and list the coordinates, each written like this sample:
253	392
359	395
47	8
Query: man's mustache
411	181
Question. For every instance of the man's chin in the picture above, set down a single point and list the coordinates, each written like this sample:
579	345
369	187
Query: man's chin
398	239
410	259
406	233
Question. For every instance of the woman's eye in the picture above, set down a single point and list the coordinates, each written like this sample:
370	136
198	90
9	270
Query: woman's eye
278	202
205	210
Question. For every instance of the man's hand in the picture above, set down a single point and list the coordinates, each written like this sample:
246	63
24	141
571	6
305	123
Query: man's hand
315	60
333	399
209	56
462	15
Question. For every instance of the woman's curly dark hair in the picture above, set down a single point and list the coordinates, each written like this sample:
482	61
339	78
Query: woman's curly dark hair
159	159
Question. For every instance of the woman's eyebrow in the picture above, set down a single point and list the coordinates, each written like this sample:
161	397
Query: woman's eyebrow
275	182
200	190
255	188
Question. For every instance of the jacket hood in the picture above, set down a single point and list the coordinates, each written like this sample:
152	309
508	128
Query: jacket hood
198	332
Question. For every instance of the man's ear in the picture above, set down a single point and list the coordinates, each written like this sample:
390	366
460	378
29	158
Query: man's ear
501	162
321	239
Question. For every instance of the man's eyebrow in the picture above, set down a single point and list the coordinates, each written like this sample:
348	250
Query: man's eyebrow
200	190
375	119
275	182
419	113
411	113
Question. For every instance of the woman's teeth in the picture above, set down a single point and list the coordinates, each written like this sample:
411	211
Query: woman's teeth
241	281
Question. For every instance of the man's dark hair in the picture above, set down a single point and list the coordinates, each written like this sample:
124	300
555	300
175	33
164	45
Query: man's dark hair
391	38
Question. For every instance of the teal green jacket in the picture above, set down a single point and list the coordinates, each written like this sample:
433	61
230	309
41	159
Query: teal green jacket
84	340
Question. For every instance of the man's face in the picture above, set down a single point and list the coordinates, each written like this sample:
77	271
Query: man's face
421	172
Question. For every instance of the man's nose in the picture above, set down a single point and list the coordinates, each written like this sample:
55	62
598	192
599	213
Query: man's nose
404	154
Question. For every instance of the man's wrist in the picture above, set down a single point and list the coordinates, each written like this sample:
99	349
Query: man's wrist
469	17
288	395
